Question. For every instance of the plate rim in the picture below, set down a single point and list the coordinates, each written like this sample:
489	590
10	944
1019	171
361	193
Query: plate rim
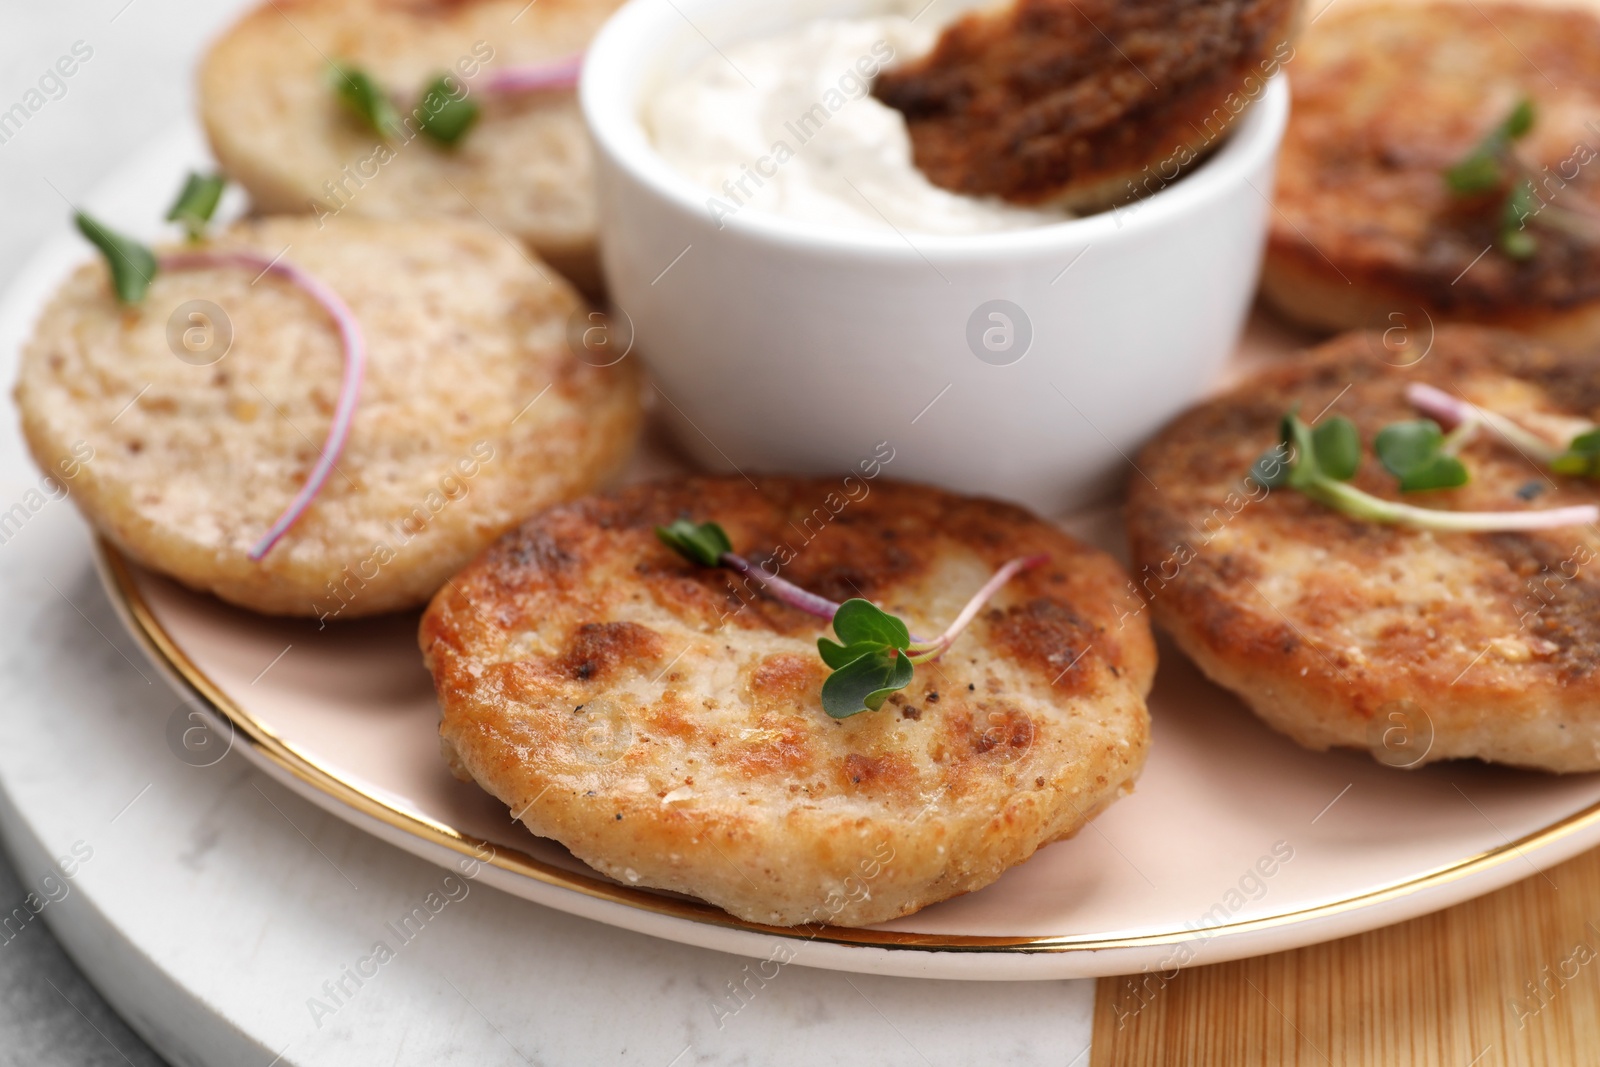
117	572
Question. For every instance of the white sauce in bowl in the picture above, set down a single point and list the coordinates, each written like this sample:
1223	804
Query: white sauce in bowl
786	124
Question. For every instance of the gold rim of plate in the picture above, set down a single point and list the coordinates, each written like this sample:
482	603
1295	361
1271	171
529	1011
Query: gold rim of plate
169	653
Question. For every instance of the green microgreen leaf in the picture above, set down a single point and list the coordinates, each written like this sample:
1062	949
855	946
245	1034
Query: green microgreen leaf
1484	168
197	202
1271	471
1414	452
1520	121
1337	448
1478	173
1296	436
365	99
1330	452
872	662
1441	472
1582	457
836	655
1515	240
1490	166
1405	446
865	683
133	266
860	621
445	116
705	543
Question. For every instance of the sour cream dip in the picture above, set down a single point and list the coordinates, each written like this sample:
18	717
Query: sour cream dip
786	124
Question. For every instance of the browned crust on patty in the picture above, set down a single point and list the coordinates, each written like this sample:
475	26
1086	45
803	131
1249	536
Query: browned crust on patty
1387	97
663	721
1326	624
1071	101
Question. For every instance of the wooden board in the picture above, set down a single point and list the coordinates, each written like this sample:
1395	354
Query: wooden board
1511	978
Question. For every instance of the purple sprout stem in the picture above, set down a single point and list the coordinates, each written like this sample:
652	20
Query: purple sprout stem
781	589
923	651
355	368
560	73
1450	411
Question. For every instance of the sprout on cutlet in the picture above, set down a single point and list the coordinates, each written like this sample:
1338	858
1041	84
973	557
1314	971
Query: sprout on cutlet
1320	462
876	654
442	112
134	268
1492	167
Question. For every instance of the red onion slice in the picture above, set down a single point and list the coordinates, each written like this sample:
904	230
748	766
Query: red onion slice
355	367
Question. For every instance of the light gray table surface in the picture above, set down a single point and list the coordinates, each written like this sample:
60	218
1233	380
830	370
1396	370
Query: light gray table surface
136	82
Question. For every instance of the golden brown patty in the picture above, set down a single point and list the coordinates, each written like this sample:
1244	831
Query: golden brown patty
1072	101
277	127
1386	99
1419	646
188	465
665	724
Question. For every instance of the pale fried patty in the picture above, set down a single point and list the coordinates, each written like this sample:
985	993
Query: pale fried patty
1387	97
1083	103
1338	631
277	127
189	465
663	721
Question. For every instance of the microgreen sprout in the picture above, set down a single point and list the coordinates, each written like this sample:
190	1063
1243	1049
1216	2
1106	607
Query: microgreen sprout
1491	167
134	267
873	661
1515	240
443	114
197	202
875	654
1322	461
1420	456
1453	412
1580	458
704	543
1483	170
707	544
365	99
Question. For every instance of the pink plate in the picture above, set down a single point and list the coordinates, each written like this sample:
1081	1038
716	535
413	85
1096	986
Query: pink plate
1236	843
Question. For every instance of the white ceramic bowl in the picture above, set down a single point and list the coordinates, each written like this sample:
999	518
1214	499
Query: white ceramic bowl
784	345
